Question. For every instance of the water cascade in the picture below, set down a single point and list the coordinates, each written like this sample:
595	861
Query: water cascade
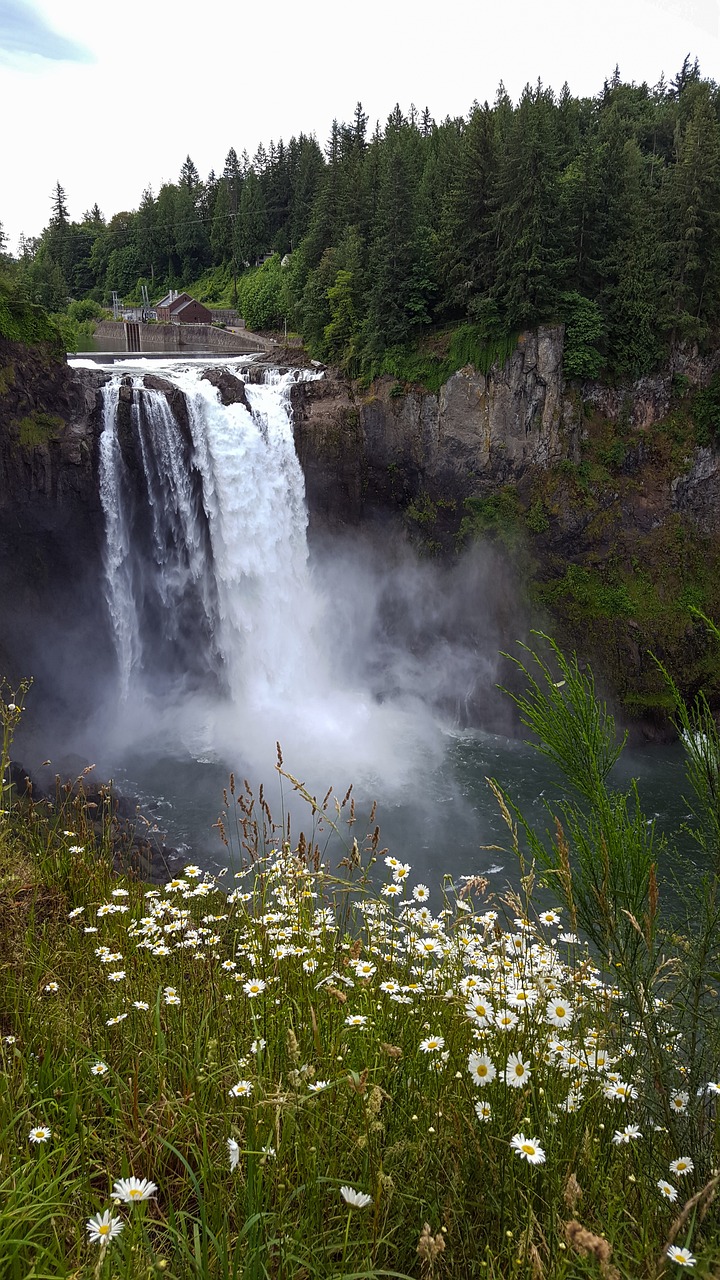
227	639
206	550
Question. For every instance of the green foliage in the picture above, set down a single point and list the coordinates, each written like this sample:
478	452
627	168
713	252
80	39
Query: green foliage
705	411
602	860
261	295
425	511
584	333
84	310
39	429
499	515
592	592
430	368
537	517
22	321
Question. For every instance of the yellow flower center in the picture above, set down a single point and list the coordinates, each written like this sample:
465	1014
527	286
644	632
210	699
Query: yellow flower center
528	1148
519	1069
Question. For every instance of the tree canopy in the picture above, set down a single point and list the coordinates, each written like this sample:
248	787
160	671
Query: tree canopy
602	213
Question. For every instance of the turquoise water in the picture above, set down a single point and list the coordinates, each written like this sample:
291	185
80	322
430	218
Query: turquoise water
449	825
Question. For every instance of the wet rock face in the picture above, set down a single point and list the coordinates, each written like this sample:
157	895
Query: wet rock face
696	494
231	390
493	427
480	432
51	522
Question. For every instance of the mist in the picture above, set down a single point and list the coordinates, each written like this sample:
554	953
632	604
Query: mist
365	661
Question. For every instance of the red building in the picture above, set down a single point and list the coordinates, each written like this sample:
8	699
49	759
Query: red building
180	308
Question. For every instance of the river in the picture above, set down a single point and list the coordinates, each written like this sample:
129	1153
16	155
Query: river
233	632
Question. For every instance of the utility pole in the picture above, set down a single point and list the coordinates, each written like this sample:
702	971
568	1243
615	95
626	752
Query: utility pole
233	205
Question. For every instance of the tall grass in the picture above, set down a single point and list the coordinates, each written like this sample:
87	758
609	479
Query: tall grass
257	1040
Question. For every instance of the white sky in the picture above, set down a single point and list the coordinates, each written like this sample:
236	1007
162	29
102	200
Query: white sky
145	82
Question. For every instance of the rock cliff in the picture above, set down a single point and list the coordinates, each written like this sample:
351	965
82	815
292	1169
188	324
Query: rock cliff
50	520
380	448
604	502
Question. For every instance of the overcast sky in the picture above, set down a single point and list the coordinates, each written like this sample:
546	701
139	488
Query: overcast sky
110	98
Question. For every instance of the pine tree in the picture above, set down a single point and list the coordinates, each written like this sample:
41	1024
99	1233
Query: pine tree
531	240
221	230
632	270
146	240
467	226
189	177
692	204
59	205
251	226
401	276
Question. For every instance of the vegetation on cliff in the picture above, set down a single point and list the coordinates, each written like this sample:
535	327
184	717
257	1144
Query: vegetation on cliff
303	1067
601	212
24	321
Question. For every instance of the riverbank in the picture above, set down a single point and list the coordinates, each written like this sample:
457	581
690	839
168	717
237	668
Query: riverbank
291	1073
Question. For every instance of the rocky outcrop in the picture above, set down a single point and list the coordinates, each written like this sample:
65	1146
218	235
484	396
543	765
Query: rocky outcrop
230	389
51	525
696	494
383	449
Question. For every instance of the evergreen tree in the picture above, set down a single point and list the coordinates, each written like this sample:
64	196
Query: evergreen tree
467	223
632	269
692	206
251	225
146	240
307	180
59	205
192	243
189	177
401	282
221	231
530	238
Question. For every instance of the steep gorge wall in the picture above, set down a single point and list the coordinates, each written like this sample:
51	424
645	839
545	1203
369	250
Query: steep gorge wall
379	449
599	500
606	507
51	524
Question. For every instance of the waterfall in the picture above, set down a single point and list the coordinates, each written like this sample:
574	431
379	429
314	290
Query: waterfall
206	550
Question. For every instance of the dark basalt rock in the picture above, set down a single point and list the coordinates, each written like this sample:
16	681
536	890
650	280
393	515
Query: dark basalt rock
230	389
113	819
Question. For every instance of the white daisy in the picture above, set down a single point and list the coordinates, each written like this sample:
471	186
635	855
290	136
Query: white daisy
517	1072
683	1257
40	1134
356	1199
528	1148
103	1227
624	1136
481	1068
242	1089
133	1190
433	1044
559	1013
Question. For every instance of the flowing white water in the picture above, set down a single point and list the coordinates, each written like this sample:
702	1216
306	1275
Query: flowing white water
120	596
220	629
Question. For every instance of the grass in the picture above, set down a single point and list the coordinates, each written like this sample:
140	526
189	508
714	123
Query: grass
285	1018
